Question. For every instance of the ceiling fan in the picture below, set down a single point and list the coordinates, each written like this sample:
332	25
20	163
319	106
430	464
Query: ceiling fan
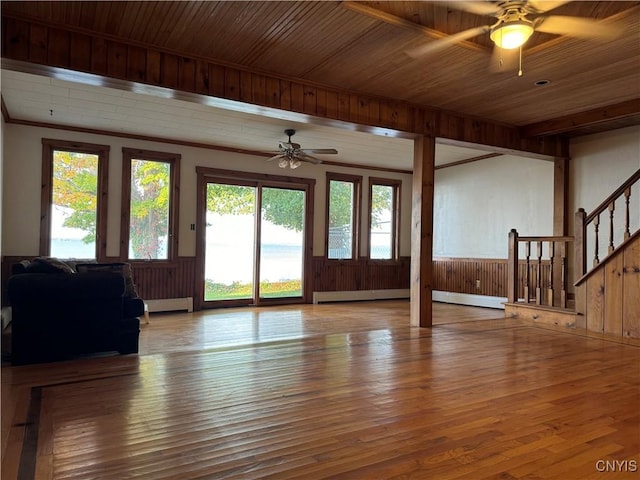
291	155
516	22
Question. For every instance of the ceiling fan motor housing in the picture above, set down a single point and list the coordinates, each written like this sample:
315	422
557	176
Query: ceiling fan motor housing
513	27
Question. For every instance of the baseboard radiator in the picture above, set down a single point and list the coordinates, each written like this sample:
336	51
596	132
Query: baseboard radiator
170	304
359	295
469	299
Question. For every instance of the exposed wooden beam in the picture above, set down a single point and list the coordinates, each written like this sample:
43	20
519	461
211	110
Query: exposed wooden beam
408	25
468	160
628	109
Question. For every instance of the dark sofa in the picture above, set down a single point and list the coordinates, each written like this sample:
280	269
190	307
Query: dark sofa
57	316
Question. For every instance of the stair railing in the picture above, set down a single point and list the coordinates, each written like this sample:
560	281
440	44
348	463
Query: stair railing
588	231
541	277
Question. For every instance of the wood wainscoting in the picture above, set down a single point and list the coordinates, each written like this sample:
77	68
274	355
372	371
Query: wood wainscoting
483	276
162	280
360	274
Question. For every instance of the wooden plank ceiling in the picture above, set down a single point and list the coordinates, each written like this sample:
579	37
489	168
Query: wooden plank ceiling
340	45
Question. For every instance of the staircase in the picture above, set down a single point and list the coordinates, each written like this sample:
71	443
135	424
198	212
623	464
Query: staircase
605	301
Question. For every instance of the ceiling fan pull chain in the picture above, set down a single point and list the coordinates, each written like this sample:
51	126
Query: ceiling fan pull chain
520	67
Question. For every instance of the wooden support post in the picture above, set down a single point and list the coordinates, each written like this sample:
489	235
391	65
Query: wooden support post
512	267
424	152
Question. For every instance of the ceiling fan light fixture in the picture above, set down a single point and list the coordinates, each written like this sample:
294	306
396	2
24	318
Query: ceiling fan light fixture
510	35
294	163
283	162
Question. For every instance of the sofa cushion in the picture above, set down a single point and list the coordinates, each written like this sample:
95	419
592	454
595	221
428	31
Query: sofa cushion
48	265
120	267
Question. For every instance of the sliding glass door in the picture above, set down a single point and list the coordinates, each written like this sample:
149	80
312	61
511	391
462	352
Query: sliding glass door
281	243
254	243
230	242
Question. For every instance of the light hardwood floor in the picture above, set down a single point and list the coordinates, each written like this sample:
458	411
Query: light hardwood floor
346	391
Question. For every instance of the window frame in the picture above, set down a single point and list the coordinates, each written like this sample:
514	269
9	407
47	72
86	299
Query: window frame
357	201
395	227
173	159
46	199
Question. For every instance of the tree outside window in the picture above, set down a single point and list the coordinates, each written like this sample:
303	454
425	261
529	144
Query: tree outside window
149	198
343	205
73	219
383	214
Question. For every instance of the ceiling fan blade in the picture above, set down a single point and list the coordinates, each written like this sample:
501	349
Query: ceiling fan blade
308	158
323	151
503	60
478	8
276	157
576	27
446	41
541	6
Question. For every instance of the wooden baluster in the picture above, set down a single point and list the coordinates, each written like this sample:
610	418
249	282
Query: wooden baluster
527	274
596	225
539	275
627	197
612	207
552	247
563	275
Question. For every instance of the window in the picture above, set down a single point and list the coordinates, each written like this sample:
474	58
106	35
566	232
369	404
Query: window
74	199
384	209
149	205
343	207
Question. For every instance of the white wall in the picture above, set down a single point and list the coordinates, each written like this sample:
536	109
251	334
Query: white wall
477	204
22	172
600	163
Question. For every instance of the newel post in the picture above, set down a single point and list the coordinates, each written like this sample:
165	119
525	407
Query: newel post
580	259
512	267
580	266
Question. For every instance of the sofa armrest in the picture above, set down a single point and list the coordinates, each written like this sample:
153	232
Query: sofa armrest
133	307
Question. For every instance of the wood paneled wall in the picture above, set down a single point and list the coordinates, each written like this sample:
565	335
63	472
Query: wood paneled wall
35	43
361	274
165	280
613	295
460	275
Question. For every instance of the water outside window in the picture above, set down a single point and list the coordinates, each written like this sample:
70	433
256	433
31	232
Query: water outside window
232	243
74	205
